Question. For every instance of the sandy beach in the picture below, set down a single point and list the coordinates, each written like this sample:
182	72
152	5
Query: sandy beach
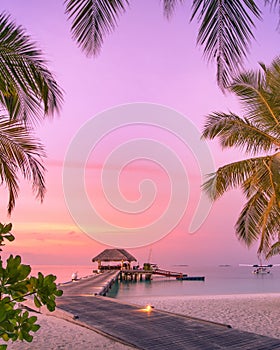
258	313
56	333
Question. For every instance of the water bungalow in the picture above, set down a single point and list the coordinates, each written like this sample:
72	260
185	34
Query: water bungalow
120	256
127	272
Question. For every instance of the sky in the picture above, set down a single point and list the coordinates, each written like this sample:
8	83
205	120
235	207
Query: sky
113	178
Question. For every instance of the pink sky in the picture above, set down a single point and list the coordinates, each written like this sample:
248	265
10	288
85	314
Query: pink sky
147	59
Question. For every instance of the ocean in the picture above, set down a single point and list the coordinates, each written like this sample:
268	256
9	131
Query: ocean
219	280
62	272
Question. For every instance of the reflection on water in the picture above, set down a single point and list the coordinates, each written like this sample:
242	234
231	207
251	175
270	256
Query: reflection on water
63	272
218	281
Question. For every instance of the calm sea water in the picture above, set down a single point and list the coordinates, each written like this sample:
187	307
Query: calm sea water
218	281
62	272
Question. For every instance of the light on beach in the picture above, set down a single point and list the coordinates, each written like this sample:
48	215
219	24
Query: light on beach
148	308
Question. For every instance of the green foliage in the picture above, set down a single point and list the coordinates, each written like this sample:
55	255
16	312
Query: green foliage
28	94
92	20
256	133
15	324
225	27
28	90
16	285
5	234
225	33
45	290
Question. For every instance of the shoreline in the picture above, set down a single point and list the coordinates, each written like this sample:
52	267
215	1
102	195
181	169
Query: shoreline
256	313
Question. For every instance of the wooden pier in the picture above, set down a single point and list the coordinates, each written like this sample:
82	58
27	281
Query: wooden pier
135	275
154	329
98	284
139	274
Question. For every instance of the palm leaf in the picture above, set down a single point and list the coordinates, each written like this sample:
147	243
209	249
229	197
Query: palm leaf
256	91
169	7
270	226
258	131
229	176
233	131
92	20
20	152
28	90
275	175
274	6
274	250
273	83
260	179
248	224
225	33
252	175
259	219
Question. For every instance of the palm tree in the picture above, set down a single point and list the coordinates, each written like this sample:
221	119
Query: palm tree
256	133
20	152
28	93
28	90
225	32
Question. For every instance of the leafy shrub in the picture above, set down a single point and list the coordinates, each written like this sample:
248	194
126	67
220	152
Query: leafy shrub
16	285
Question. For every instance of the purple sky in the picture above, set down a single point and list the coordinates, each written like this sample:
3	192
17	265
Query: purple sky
147	59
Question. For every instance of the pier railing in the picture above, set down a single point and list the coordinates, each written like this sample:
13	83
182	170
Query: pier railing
133	274
167	273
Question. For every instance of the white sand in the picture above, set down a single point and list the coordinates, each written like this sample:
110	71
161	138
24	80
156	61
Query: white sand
257	313
60	334
254	313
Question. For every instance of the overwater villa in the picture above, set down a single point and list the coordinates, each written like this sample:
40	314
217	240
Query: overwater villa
120	256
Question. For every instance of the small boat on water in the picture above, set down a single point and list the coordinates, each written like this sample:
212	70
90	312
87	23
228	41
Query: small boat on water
190	278
260	269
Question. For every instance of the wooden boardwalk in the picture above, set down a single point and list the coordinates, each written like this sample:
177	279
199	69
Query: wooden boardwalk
93	285
155	330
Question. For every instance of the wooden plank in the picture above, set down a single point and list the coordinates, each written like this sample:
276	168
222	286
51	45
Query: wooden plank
90	285
157	329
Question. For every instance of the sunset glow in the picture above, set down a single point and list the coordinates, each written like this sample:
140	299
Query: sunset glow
156	63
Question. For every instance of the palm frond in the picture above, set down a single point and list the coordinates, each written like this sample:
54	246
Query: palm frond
260	179
92	20
274	6
225	33
272	74
274	250
253	175
20	152
9	178
258	131
28	90
259	219
267	227
247	226
233	175
169	7
233	131
256	91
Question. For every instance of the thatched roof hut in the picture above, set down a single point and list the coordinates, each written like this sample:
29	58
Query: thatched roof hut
120	255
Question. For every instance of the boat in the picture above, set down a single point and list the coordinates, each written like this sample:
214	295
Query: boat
260	269
190	278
